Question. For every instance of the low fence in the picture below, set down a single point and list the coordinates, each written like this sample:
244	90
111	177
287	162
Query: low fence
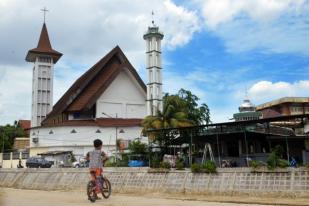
291	182
11	159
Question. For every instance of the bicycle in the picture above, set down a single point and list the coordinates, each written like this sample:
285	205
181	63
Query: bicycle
104	185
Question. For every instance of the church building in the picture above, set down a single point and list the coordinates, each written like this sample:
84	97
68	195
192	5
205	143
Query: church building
107	102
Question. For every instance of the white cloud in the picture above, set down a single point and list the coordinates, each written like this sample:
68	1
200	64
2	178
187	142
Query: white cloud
264	91
217	12
185	24
15	90
89	29
15	93
277	26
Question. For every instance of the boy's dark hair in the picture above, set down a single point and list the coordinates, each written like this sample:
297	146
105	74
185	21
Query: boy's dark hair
97	143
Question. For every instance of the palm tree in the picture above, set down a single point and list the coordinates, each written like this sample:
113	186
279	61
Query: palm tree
172	116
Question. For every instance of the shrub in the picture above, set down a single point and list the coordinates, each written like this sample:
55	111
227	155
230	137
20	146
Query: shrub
272	161
110	164
274	158
209	166
196	168
283	163
255	164
278	151
155	161
165	165
179	165
306	165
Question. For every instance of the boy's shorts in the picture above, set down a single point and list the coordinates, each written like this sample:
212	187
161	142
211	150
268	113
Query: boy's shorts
95	172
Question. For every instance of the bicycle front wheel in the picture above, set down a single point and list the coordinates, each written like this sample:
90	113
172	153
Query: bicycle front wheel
106	188
91	191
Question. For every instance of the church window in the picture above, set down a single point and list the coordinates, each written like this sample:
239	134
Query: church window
150	76
149	45
159	46
150	60
157	92
76	115
151	92
44	74
44	59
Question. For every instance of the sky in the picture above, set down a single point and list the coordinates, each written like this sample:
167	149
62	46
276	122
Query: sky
221	50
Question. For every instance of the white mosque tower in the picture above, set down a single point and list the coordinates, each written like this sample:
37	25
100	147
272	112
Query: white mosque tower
153	39
44	58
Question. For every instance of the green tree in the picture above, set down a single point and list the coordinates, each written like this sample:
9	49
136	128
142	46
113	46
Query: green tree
180	110
8	134
173	115
137	147
198	114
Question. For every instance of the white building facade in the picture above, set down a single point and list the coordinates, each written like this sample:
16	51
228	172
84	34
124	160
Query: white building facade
107	102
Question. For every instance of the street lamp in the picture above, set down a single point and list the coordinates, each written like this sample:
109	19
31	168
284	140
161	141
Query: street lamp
121	131
2	147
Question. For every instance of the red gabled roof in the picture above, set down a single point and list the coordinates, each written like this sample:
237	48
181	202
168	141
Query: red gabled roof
24	124
269	113
44	47
85	91
101	122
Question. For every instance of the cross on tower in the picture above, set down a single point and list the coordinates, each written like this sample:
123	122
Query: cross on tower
44	12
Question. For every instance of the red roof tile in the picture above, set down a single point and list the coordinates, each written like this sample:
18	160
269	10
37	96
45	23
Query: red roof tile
25	124
44	47
101	122
269	113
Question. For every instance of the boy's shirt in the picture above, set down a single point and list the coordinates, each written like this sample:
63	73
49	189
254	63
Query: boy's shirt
96	158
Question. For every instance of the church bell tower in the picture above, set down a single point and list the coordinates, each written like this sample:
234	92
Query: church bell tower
44	58
153	39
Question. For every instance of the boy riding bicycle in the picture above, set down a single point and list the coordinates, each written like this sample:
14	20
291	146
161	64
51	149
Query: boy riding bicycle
96	159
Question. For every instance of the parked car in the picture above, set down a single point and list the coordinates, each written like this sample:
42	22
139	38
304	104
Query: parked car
36	162
81	163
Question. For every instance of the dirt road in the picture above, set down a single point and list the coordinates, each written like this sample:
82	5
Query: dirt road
14	197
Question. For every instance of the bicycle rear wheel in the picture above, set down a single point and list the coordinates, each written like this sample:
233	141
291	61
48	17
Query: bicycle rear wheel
91	191
106	188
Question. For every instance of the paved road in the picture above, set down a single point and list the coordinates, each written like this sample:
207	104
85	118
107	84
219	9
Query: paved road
14	197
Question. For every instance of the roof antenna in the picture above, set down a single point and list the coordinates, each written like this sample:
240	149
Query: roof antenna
152	14
44	12
246	93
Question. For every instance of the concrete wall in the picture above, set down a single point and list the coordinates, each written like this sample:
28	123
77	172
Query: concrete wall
80	142
11	163
293	182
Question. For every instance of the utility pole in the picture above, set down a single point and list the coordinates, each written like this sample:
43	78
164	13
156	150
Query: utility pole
2	146
116	141
116	135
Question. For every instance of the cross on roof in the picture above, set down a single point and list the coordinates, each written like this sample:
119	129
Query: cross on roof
44	12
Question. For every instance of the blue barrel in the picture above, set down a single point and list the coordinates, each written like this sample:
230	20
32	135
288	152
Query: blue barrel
136	163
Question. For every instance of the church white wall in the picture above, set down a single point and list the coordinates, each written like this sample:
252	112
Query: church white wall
81	141
123	97
42	89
